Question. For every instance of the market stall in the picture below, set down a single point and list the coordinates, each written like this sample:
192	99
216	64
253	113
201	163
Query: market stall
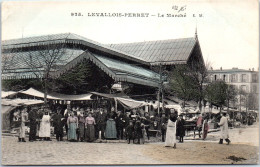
8	107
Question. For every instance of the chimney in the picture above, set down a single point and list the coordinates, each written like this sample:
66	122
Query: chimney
253	69
249	69
221	68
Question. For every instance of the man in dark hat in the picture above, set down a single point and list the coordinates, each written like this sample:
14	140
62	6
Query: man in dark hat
120	125
147	122
130	131
163	126
58	123
33	124
101	122
138	130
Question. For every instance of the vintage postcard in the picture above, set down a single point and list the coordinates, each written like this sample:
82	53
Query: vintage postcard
112	82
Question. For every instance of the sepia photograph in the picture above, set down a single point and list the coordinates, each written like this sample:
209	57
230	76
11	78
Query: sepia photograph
127	82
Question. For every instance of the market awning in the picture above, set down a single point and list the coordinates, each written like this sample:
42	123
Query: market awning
36	93
130	103
20	102
111	96
72	97
175	106
8	93
57	96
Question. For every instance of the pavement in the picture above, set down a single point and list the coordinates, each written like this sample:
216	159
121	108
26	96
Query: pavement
245	143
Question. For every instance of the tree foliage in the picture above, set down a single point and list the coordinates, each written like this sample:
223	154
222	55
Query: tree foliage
83	78
182	84
220	93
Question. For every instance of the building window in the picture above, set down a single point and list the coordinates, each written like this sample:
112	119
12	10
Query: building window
215	77
243	78
254	89
254	78
243	88
224	77
233	78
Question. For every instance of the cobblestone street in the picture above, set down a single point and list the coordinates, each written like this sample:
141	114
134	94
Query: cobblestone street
244	145
52	152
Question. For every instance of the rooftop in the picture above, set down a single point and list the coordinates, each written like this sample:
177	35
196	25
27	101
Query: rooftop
234	69
171	51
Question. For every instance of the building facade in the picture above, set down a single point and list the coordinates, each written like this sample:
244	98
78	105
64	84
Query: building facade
245	80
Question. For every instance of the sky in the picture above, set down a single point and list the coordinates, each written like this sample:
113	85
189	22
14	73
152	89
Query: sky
227	30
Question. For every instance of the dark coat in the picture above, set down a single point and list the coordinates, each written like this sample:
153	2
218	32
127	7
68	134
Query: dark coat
33	123
180	131
147	121
58	124
138	129
130	131
127	120
163	123
120	121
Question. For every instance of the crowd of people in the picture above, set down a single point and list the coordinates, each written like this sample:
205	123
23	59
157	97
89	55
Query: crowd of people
86	124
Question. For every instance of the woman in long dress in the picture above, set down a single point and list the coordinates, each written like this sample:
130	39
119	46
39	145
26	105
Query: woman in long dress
72	122
45	127
171	131
205	128
90	128
23	118
110	132
81	125
180	131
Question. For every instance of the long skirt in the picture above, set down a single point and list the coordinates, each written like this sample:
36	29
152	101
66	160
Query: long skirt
32	135
22	131
45	130
72	131
81	130
170	134
205	132
110	132
90	133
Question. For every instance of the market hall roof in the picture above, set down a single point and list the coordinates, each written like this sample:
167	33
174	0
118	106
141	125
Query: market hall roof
26	64
67	38
172	51
138	56
117	68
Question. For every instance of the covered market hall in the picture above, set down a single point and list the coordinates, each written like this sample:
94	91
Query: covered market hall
74	72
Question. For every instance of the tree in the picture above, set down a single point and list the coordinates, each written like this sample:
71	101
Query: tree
44	60
231	94
83	78
242	95
181	83
216	93
199	73
252	101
